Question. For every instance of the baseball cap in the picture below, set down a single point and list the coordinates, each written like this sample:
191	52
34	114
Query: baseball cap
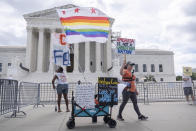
130	63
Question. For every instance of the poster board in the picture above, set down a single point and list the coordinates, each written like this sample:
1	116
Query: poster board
61	51
107	87
125	46
84	95
187	71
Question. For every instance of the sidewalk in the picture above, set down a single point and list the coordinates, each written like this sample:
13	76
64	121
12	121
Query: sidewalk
162	117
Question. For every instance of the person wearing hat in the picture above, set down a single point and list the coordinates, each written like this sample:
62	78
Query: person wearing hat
129	91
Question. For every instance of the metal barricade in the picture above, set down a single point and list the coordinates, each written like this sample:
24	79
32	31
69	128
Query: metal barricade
164	91
8	96
29	94
14	97
143	96
48	94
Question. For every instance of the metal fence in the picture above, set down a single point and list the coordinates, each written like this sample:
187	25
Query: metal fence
48	94
15	95
8	95
148	92
165	91
29	94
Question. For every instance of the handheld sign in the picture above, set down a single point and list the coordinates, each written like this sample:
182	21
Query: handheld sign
187	71
125	46
107	91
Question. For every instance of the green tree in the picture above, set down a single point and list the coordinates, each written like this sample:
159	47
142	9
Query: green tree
149	78
193	76
178	78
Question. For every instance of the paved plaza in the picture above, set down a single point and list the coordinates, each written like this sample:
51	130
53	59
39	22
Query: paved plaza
162	117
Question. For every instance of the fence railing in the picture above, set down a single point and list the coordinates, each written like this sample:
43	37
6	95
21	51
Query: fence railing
148	92
15	95
48	94
161	91
8	95
29	94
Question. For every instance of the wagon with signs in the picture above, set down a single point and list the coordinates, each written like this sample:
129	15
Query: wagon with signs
86	103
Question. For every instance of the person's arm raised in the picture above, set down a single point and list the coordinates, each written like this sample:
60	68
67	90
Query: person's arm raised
123	66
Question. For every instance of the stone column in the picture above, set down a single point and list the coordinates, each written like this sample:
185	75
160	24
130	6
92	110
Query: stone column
87	57
76	58
51	58
40	50
109	51
29	47
98	57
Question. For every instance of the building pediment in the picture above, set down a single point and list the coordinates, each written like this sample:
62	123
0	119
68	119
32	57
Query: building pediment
48	13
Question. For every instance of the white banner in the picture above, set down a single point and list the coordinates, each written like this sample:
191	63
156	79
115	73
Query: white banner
61	51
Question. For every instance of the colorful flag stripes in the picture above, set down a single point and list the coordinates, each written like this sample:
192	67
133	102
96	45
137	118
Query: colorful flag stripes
84	24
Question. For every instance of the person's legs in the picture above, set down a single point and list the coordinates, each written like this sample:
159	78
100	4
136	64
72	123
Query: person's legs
59	93
134	101
136	108
65	93
192	96
126	96
66	102
59	102
186	93
187	98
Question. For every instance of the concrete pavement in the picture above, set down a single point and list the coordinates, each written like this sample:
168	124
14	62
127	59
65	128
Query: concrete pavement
162	117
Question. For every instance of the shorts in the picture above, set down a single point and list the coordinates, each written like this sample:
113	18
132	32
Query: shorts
188	91
62	89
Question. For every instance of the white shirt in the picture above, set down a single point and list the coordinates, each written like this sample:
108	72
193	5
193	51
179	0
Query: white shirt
61	78
187	83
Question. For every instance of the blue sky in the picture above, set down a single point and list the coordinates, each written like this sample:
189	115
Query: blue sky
155	24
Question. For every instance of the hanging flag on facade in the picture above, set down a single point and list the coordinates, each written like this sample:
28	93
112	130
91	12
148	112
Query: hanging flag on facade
84	24
61	51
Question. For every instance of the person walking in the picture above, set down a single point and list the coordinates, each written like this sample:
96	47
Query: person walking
188	91
62	87
129	91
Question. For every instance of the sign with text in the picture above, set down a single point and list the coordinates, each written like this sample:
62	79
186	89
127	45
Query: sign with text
125	46
107	90
187	71
85	96
61	51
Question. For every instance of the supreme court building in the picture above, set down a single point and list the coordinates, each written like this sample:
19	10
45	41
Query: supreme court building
89	60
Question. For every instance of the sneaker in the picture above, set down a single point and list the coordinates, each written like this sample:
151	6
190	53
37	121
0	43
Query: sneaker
120	118
142	117
190	103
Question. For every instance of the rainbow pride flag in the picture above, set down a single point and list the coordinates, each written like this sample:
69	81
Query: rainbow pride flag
84	24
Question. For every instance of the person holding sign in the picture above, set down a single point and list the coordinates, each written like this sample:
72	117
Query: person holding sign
129	91
62	87
187	84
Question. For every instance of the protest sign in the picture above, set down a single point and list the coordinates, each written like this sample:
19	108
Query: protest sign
107	89
85	96
187	71
125	46
61	52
